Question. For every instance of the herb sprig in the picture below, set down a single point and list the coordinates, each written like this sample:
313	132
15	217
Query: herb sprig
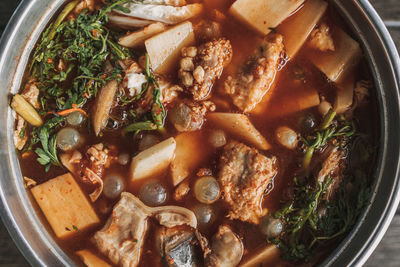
326	132
305	226
48	153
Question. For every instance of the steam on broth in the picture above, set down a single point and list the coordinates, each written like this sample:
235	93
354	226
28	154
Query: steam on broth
197	133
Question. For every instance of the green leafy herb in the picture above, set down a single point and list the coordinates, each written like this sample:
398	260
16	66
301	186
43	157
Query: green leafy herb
22	133
75	228
82	46
326	132
305	227
157	111
48	152
140	126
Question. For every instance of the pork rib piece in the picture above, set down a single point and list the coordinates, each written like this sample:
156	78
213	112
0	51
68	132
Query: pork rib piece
244	176
248	86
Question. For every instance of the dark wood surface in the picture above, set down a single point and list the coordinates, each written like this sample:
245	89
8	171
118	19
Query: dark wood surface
388	252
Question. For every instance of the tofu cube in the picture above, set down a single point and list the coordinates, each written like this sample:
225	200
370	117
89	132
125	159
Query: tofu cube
263	15
65	206
164	49
153	160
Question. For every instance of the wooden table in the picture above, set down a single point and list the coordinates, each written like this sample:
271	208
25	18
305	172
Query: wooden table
388	252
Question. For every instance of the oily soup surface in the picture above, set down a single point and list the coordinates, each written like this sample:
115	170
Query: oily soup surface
271	151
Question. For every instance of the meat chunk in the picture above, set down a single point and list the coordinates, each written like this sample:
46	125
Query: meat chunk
201	67
188	116
207	30
91	167
99	158
122	237
226	249
20	136
181	191
321	38
333	168
31	93
254	79
361	92
134	85
244	176
179	247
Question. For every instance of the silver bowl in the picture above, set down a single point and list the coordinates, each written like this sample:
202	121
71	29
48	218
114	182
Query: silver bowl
38	246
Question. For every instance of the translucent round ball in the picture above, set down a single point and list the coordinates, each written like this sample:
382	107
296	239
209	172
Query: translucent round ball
123	158
307	122
205	214
153	193
148	141
75	118
271	227
68	139
217	138
206	190
114	185
287	137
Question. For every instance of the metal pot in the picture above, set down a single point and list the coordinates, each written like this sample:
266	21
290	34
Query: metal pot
38	246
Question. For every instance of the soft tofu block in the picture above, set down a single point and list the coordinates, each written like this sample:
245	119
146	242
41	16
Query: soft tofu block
90	259
164	49
298	27
64	205
268	256
336	65
138	38
153	160
190	153
240	126
262	15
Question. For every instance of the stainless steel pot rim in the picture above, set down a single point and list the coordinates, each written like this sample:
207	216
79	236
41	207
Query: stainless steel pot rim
355	258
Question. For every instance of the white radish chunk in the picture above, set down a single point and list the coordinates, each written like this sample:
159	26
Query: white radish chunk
338	64
344	95
164	49
153	160
137	39
240	126
266	256
263	15
190	153
102	107
298	27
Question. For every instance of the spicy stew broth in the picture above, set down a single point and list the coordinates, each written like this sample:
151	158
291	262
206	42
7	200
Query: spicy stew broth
287	85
